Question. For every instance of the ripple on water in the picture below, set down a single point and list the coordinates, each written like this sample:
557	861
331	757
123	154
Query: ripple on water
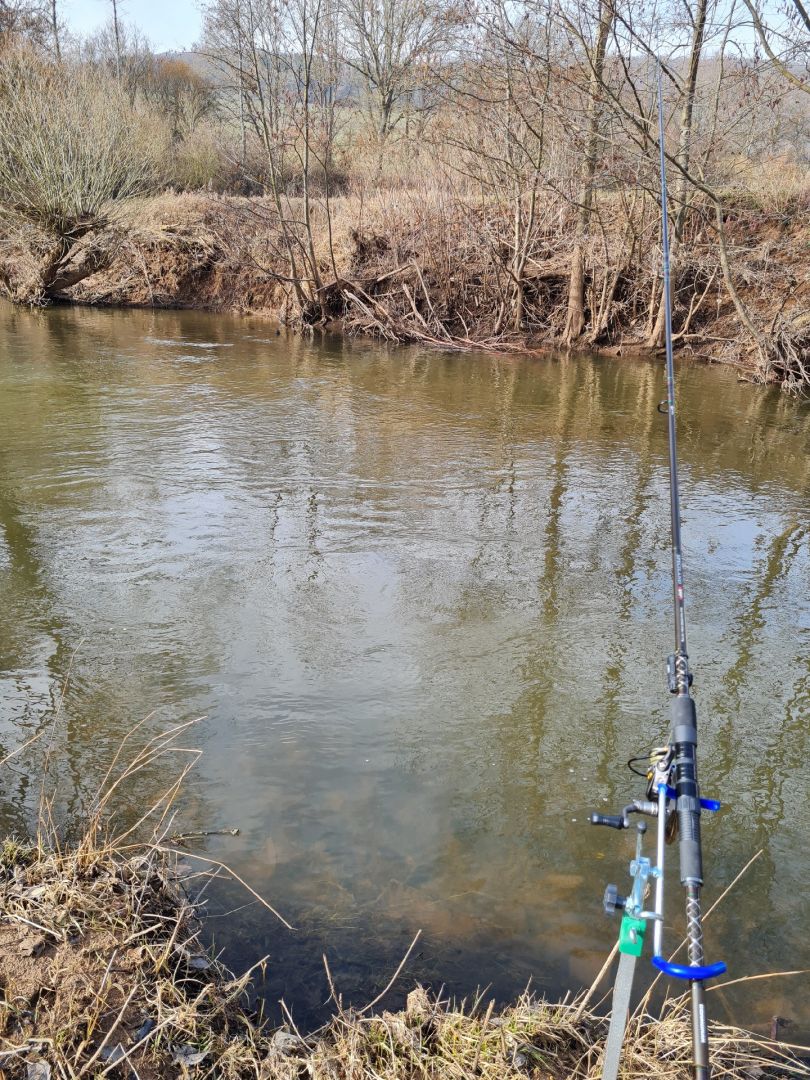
186	344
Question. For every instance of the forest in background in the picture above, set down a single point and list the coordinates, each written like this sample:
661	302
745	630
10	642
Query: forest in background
462	172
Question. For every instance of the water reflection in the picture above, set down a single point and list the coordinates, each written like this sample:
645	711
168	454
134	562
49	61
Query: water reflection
423	601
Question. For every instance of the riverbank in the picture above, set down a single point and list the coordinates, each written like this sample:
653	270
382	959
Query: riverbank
416	265
103	974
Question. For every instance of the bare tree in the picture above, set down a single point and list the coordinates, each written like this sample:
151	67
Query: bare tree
393	46
281	60
783	31
502	92
590	29
55	31
29	22
697	15
179	93
241	41
122	52
117	33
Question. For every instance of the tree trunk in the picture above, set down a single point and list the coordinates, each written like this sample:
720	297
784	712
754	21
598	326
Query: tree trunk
575	319
67	275
117	40
55	29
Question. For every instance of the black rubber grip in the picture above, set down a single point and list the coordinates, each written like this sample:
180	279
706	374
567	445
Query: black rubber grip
684	726
684	720
613	821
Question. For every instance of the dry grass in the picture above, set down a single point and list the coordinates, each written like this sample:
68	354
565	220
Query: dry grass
101	970
102	973
113	980
429	263
98	954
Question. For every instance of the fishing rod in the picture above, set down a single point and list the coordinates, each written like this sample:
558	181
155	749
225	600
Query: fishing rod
672	796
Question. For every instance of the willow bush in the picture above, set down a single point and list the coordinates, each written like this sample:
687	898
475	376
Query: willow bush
73	149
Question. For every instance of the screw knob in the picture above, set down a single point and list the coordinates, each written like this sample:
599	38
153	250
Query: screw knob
612	902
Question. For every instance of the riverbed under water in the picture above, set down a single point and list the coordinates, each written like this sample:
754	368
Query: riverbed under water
423	603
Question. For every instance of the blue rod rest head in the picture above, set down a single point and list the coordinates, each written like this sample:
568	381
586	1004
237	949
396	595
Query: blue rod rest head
687	971
713	805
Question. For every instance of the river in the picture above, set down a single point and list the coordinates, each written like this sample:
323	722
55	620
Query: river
423	603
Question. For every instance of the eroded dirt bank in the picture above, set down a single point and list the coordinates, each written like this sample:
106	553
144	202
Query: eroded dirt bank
417	266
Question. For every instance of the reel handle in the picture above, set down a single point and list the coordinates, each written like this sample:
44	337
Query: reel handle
613	821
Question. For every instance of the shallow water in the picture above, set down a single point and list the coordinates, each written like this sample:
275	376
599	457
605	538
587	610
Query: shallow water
423	603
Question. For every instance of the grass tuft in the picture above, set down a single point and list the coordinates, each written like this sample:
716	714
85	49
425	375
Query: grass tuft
102	973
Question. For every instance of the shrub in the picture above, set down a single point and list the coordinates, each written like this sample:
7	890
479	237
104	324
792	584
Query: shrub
72	150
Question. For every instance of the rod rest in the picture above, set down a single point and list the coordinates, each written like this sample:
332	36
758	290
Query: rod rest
686	971
712	805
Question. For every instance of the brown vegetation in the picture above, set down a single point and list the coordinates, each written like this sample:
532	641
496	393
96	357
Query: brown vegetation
410	266
102	973
452	172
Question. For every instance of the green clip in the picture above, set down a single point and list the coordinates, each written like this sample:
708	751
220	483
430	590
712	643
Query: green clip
631	936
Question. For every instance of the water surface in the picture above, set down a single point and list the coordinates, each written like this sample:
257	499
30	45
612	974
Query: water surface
423	603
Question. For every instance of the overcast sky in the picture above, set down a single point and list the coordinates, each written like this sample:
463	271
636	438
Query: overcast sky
169	24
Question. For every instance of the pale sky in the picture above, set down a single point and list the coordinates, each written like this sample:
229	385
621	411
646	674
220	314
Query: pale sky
169	24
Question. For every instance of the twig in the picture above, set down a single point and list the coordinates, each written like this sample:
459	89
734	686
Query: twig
228	870
755	978
177	838
394	977
35	925
592	989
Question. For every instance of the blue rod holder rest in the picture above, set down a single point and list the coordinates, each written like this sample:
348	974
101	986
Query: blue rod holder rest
712	805
686	971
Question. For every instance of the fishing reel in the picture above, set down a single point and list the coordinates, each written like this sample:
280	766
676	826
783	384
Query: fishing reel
658	771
